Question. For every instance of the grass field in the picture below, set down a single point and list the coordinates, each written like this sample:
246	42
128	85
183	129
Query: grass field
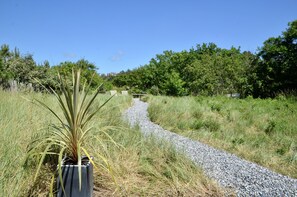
262	131
141	167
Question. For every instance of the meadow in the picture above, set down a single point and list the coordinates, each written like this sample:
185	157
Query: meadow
140	166
263	131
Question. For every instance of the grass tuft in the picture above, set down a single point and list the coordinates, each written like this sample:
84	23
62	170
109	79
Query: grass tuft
141	166
260	130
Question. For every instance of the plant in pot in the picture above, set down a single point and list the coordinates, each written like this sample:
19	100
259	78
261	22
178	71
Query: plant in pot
69	136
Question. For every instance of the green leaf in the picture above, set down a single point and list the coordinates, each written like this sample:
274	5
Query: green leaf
60	160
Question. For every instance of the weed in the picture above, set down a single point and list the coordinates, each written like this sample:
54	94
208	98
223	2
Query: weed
216	107
237	141
211	125
281	151
197	114
198	124
270	127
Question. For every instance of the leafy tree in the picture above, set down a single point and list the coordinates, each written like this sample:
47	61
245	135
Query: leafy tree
13	66
46	76
173	85
21	68
277	69
88	70
4	52
216	71
5	75
205	70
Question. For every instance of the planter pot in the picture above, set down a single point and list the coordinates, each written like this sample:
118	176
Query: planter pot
71	181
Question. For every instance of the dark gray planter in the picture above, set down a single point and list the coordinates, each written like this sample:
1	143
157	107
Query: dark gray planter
71	181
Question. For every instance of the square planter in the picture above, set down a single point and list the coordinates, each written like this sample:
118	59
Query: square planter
71	181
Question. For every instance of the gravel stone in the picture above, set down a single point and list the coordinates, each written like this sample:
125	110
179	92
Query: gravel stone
246	178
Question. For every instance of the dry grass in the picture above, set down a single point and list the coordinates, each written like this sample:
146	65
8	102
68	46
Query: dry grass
262	131
141	167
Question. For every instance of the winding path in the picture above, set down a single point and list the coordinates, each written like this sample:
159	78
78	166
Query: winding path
246	178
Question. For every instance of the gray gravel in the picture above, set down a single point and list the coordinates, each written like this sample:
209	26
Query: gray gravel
246	178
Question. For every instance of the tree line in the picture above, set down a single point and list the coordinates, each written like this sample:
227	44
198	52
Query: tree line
204	70
24	70
210	70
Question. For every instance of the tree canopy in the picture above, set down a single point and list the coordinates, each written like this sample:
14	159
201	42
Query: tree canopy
204	70
210	70
24	70
277	68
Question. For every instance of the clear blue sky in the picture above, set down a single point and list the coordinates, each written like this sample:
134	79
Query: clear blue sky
119	34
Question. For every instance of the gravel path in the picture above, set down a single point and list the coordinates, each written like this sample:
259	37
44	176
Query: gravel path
247	178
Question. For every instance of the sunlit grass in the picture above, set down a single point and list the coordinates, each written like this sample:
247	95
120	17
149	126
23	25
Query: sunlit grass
141	167
262	131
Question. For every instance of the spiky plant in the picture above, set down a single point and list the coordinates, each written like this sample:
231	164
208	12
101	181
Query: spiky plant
71	132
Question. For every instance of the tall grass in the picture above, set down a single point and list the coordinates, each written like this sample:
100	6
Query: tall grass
262	131
140	166
18	122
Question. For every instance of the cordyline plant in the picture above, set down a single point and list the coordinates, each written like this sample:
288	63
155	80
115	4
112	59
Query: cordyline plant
71	133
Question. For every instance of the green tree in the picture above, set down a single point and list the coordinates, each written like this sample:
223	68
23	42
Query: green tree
5	74
173	84
205	70
277	69
88	70
217	71
21	67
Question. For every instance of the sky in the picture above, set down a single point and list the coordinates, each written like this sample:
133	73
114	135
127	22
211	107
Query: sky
118	35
